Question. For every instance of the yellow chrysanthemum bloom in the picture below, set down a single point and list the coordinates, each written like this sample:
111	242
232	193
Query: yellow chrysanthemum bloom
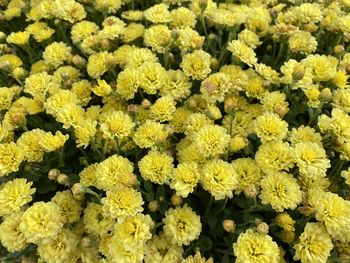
346	175
158	37
11	157
133	231
95	221
285	221
14	195
314	245
116	124
332	211
70	207
158	13
121	201
114	170
56	54
29	144
61	248
20	38
253	247
127	83
156	167
197	258
132	32
10	235
243	52
303	42
182	17
211	140
82	30
40	31
152	77
281	191
270	127
274	156
51	143
196	64
70	115
41	222
304	134
218	178
311	159
160	249
149	134
247	172
195	122
98	64
215	87
135	57
182	225
185	178
163	109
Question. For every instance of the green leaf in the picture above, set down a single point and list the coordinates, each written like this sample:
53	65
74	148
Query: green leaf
225	259
212	220
204	243
148	186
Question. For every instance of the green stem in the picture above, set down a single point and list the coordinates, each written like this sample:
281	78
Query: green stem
203	25
208	207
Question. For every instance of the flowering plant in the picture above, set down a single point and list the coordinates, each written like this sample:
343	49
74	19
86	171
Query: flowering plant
174	131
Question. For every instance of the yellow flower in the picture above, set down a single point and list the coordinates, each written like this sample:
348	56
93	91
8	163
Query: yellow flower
113	28
95	221
118	253
156	167
152	77
133	231
281	191
215	87
56	54
253	247
51	143
114	170
40	31
121	201
247	172
163	109
7	95
38	84
11	157
84	132
185	178
132	32
346	175
182	17
303	42
177	85
18	38
314	244
323	67
197	258
311	159
160	249
60	248
116	124
270	127
135	57
41	222
82	30
149	134
158	13
10	235
70	207
211	140
158	37
182	225
218	178
14	195
196	64
243	52
304	134
332	211
127	83
285	221
98	64
29	144
274	156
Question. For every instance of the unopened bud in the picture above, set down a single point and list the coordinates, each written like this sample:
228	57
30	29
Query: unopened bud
257	220
338	49
176	200
229	225
2	36
53	174
63	179
250	191
262	228
146	103
214	63
298	72
281	110
231	103
153	206
287	236
326	94
132	108
214	113
212	36
79	61
237	143
175	34
28	260
77	189
203	4
19	73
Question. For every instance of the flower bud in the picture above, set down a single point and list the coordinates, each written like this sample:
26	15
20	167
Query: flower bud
203	5
231	103
229	225
19	73
176	200
250	191
77	189
298	72
146	103
214	63
53	174
287	236
214	113
2	36
79	61
280	110
326	94
262	228
237	143
63	179
175	34
153	206
338	49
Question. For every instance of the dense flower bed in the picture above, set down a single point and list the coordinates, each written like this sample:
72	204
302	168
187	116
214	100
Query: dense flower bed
174	131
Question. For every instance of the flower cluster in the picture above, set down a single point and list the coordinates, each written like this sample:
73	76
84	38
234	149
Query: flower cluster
174	131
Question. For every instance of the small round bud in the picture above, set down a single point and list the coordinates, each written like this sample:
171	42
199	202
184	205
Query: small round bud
2	36
214	63
28	260
231	103
146	103
250	191
86	242
79	61
132	108
161	198
269	48
229	225
262	228
77	189
19	73
153	206
132	179
211	36
176	200
280	110
192	103
287	236
298	72
175	34
338	49
237	143
203	4
326	94
53	174
63	179
285	221
214	113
